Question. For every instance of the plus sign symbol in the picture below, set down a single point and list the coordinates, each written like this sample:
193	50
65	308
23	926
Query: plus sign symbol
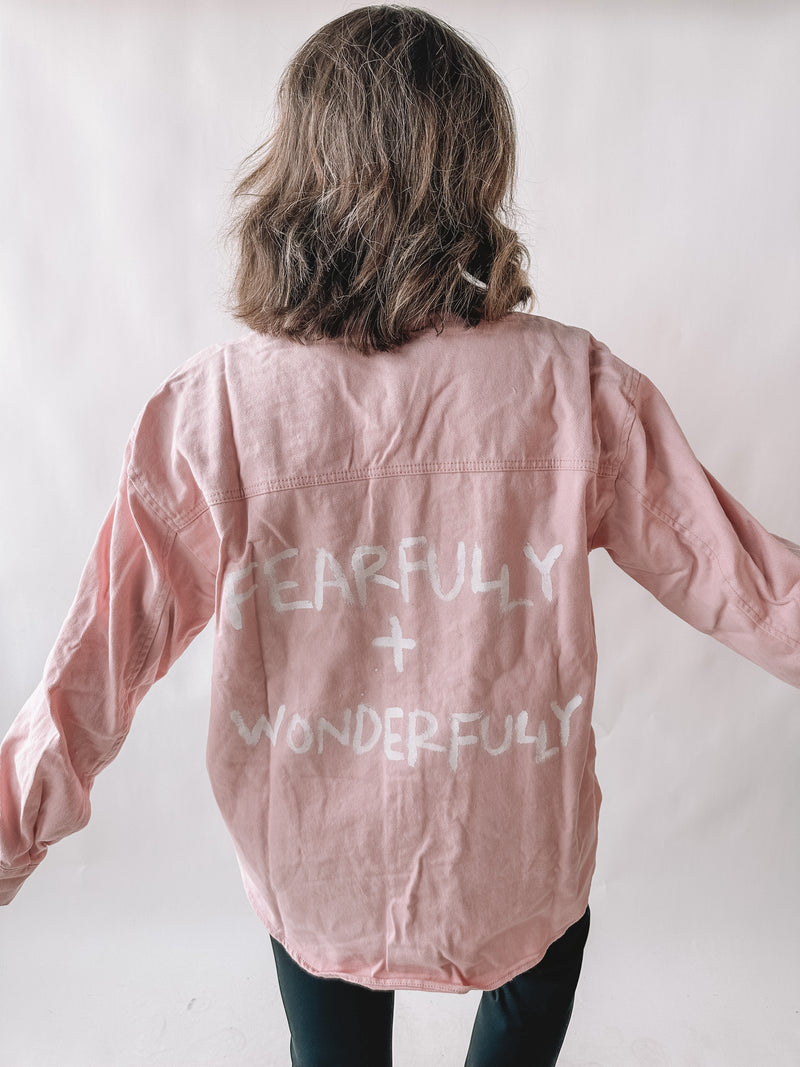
396	642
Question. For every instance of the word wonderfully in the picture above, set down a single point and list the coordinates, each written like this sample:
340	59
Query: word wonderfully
404	736
366	565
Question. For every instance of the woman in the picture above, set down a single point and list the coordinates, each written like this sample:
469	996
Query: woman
385	495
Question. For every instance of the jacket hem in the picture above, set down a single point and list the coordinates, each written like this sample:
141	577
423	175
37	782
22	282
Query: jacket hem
480	985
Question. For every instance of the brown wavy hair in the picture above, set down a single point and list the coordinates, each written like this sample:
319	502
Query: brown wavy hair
376	207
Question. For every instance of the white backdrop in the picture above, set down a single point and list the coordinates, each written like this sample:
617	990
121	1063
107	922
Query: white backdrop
660	184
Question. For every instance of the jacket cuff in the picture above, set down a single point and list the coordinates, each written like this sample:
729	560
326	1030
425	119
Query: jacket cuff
11	881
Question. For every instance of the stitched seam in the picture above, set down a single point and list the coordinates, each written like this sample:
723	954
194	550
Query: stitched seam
625	441
630	418
744	605
192	553
149	636
175	527
272	485
150	500
396	471
15	872
131	680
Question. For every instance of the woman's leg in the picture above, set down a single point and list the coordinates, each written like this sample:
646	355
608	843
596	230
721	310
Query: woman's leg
524	1022
333	1023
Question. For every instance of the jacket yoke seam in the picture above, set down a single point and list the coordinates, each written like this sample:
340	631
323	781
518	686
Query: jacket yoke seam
333	477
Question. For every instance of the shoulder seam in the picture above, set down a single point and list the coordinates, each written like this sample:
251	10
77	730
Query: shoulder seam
629	391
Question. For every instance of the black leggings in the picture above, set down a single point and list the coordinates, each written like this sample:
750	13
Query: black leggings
334	1023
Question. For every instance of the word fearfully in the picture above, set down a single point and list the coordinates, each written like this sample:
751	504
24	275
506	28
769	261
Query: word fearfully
366	565
364	731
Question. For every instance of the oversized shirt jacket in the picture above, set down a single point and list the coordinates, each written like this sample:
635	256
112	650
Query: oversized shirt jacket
394	551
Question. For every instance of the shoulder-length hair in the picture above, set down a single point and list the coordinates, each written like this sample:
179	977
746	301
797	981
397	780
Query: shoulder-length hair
376	206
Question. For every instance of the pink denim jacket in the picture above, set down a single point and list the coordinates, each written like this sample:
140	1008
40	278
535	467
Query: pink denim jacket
394	551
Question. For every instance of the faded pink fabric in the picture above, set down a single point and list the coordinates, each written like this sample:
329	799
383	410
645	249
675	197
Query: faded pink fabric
394	551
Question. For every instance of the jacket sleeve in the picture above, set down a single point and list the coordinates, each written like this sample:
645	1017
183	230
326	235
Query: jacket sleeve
142	597
676	531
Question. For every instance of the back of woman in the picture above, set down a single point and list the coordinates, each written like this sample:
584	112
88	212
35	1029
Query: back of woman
385	495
